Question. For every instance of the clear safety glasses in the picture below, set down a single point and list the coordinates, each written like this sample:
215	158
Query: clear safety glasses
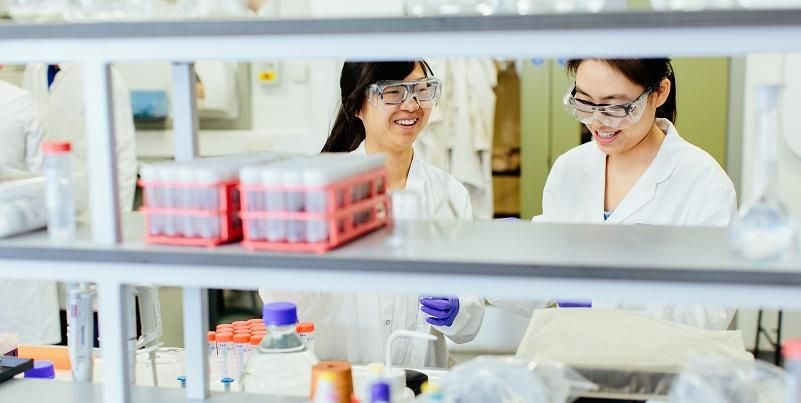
425	91
616	117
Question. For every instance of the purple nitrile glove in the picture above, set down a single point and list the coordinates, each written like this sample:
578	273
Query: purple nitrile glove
575	303
442	310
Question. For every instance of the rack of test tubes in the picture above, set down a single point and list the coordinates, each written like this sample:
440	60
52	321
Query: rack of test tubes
195	202
314	203
231	345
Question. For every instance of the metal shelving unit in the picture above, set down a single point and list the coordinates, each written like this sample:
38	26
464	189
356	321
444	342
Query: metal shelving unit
503	259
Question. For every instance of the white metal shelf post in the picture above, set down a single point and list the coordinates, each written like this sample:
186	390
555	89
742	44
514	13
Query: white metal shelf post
114	298
195	299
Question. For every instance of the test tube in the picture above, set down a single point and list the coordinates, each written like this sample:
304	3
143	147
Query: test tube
186	201
207	199
292	176
241	348
255	340
306	332
275	201
168	192
212	346
250	177
225	347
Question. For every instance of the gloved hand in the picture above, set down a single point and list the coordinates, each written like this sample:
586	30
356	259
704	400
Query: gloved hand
442	310
565	303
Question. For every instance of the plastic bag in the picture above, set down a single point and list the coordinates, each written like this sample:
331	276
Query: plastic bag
718	380
509	380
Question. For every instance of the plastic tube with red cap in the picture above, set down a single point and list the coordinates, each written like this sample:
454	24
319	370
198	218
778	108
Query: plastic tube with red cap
792	364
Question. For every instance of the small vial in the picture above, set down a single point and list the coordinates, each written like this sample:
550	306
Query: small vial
241	349
306	332
169	194
212	346
225	352
255	340
59	195
275	201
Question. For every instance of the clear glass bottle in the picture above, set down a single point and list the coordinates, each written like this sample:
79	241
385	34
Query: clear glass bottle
281	365
765	229
59	196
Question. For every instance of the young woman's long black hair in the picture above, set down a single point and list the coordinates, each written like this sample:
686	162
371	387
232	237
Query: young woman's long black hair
348	130
647	73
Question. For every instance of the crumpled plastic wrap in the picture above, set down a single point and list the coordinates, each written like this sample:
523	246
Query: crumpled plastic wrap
510	380
708	379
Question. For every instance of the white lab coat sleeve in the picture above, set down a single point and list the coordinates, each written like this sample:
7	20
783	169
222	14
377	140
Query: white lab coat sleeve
126	142
550	192
34	133
468	321
716	205
521	307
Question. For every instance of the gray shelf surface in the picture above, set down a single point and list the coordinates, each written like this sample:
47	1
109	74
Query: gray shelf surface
738	19
28	390
516	249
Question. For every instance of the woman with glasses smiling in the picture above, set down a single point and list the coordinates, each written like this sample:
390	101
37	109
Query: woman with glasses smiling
637	169
384	107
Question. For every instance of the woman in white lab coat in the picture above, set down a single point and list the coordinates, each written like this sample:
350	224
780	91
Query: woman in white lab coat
637	169
384	108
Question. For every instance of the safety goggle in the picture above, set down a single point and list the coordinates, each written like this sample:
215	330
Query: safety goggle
426	91
612	116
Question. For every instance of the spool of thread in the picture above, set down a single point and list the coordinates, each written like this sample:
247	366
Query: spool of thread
343	378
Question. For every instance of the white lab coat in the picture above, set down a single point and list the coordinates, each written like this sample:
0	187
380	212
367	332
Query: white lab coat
356	326
684	186
28	308
20	131
61	108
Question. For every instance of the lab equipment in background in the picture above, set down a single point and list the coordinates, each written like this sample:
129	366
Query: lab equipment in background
41	370
765	229
337	379
108	10
268	73
22	204
9	343
59	191
791	352
313	204
306	333
195	202
11	366
717	380
149	105
80	330
281	365
166	362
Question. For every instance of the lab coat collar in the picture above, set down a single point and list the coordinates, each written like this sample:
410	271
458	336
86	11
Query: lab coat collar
660	170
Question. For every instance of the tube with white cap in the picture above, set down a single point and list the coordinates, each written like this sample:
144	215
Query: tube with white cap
80	330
